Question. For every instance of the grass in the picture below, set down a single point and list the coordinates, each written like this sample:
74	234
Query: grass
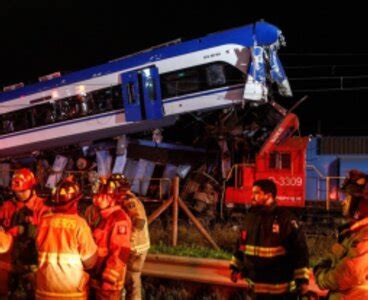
191	251
192	243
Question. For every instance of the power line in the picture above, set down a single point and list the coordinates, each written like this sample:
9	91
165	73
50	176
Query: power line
329	77
326	66
361	88
323	54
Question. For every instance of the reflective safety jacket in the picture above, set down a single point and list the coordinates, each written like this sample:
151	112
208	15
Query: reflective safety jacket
24	224
65	247
345	271
140	241
273	254
112	236
37	206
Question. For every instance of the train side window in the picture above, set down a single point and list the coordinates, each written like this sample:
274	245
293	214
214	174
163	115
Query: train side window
215	75
131	95
150	88
43	114
21	121
95	102
117	97
8	124
181	82
233	75
200	78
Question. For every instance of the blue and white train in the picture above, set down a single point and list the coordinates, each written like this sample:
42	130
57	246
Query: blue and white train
143	91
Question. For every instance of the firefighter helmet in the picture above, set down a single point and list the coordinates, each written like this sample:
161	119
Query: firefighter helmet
355	186
104	191
121	183
115	185
22	180
66	192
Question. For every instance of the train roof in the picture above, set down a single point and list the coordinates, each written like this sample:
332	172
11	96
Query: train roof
260	33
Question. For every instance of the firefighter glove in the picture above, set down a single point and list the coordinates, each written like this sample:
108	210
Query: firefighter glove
324	264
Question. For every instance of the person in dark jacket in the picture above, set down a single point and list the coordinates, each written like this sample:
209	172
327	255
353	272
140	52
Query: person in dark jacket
273	254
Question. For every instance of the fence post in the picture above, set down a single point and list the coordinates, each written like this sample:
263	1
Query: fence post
327	193
175	210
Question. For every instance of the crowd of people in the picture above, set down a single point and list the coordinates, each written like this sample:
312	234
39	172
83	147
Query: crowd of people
49	249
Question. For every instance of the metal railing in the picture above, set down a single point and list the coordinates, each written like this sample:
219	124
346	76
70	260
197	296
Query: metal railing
163	186
328	182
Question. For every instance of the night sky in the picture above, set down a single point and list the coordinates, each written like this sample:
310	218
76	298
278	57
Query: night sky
326	43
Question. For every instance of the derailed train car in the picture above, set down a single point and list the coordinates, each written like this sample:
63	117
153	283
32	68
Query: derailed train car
143	91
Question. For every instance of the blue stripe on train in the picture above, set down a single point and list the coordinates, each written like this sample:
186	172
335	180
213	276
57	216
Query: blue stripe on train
266	34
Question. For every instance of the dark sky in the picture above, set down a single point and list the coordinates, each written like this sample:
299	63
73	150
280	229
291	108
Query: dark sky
40	37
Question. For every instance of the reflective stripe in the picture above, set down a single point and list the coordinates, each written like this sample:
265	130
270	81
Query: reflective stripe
301	273
113	272
279	288
56	258
264	251
109	277
82	295
140	248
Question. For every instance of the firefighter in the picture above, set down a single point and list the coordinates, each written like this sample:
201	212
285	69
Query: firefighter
273	254
345	271
7	210
140	242
112	235
29	210
65	247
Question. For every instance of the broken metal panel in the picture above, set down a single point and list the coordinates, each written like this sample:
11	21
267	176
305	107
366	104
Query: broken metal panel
142	177
57	169
104	161
183	170
130	169
255	88
120	162
278	74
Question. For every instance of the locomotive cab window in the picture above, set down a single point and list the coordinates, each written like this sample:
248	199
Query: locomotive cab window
280	160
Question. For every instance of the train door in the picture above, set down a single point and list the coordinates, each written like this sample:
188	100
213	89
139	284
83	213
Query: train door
142	94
